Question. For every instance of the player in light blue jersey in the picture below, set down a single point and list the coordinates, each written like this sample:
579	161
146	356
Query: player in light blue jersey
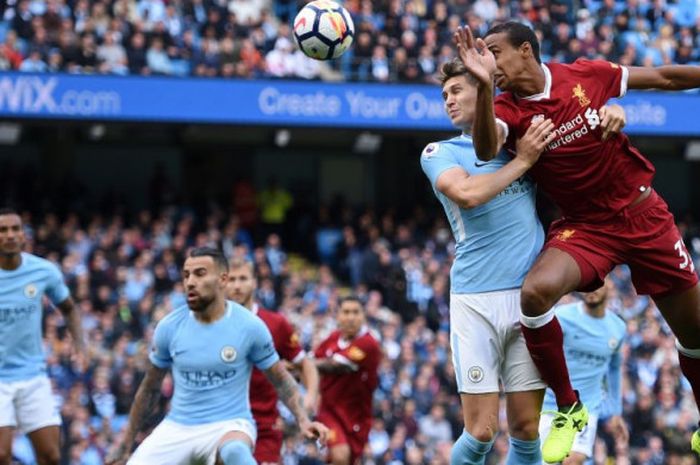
491	209
210	346
593	337
26	401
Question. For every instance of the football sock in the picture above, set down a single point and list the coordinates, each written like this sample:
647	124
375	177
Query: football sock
523	452
469	451
545	340
690	366
236	453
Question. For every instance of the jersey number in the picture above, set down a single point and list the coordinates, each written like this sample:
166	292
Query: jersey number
683	253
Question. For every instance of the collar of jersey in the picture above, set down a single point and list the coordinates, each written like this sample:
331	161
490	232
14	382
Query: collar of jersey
547	87
343	343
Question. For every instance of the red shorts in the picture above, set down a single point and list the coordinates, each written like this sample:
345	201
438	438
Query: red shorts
268	445
355	436
644	237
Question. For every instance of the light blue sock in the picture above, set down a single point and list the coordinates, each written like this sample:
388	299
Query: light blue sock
524	452
469	451
236	453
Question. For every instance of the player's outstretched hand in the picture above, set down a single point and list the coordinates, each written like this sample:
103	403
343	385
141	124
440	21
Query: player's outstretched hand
475	56
538	136
315	430
612	120
619	430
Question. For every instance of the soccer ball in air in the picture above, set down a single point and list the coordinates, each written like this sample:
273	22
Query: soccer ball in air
323	29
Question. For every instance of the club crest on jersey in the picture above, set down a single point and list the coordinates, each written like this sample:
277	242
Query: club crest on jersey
475	374
566	234
580	93
537	118
228	354
356	354
430	150
612	343
30	291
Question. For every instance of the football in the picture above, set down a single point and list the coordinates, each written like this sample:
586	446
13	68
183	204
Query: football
323	29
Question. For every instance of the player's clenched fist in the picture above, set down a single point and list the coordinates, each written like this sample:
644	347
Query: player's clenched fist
314	430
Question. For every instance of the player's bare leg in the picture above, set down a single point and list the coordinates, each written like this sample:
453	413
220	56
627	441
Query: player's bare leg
46	443
554	274
6	435
523	412
340	454
480	412
682	313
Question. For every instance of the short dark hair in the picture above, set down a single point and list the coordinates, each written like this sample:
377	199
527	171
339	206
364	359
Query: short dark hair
216	255
351	298
8	211
453	68
518	34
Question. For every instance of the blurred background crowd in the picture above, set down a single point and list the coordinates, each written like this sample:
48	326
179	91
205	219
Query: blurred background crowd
395	40
123	268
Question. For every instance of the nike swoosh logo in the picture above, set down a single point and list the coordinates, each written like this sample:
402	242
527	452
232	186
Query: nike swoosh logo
479	165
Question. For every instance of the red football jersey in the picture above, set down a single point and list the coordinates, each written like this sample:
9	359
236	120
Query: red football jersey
263	397
349	396
589	179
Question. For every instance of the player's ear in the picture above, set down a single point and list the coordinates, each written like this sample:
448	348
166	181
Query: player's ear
526	49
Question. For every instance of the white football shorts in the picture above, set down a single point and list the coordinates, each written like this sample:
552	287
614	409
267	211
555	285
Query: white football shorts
488	344
173	443
28	405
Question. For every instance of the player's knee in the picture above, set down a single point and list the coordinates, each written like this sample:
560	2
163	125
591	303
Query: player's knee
482	433
49	457
524	429
236	453
537	297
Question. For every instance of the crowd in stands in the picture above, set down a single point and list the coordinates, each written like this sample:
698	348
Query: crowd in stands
395	40
124	273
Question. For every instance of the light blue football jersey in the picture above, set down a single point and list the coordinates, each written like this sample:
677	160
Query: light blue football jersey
211	363
592	349
497	242
21	290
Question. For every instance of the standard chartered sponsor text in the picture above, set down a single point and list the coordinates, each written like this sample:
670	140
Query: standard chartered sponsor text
39	95
415	105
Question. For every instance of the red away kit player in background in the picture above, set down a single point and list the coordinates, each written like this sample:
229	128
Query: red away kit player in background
263	397
348	361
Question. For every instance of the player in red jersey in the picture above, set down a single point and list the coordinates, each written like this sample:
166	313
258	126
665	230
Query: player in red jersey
602	184
263	397
348	361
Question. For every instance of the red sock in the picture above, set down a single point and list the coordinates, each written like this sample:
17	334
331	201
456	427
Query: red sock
546	349
691	369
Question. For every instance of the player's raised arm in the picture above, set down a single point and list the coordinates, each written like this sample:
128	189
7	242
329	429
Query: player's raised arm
142	410
481	64
288	392
670	77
